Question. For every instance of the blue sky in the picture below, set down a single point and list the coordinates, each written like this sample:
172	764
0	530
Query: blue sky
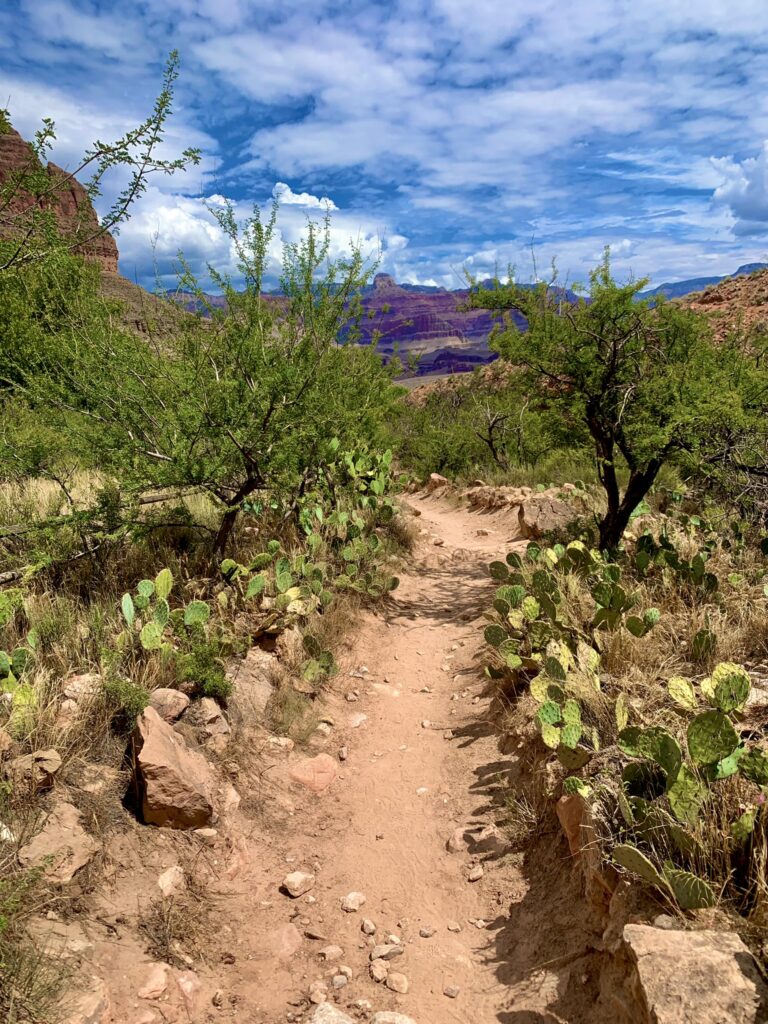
444	133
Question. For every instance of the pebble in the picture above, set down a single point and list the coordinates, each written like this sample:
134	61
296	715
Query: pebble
339	981
378	970
346	971
351	696
332	953
352	902
368	927
454	926
298	882
397	982
343	754
451	991
426	931
387	951
476	873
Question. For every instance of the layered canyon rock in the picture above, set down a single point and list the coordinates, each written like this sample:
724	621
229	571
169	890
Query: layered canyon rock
74	212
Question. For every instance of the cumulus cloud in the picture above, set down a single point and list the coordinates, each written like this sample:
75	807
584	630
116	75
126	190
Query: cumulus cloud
285	195
744	191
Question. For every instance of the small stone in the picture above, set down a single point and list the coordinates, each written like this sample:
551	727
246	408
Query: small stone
476	873
386	951
355	721
451	991
352	902
339	981
368	927
172	881
378	970
397	982
217	999
448	734
346	971
343	754
390	1017
426	931
207	835
457	842
318	992
351	696
298	882
330	953
453	926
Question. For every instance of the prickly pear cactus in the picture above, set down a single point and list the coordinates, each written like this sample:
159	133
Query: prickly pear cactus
711	737
687	796
690	891
730	686
682	693
629	857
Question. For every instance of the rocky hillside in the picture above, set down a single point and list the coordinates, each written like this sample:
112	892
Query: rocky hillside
75	214
735	303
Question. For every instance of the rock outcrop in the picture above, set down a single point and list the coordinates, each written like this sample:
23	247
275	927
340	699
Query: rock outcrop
74	212
174	784
542	514
62	847
677	977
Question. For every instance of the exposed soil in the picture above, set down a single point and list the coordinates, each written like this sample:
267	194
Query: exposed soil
523	951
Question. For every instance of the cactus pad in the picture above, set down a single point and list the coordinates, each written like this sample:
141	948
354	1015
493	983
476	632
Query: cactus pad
687	795
549	713
551	735
633	860
731	686
711	737
682	693
494	635
691	892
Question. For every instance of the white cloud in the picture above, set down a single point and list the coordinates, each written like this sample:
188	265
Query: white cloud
287	197
744	191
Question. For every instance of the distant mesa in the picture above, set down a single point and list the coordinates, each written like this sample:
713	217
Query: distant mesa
70	202
677	289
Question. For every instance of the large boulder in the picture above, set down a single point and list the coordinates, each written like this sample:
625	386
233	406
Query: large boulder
436	482
252	680
168	703
62	847
689	977
543	514
173	783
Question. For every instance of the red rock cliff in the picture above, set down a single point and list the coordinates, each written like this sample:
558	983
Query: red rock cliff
75	214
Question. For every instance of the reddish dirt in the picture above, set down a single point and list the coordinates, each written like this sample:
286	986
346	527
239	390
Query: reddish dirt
379	828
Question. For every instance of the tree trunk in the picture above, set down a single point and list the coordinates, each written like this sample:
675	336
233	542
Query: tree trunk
614	523
225	530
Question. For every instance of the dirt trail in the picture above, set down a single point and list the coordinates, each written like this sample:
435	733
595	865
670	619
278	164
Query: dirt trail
381	828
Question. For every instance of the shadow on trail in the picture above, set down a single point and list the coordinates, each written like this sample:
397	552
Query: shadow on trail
455	592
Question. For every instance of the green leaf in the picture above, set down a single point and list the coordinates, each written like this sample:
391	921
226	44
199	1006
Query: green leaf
128	609
635	625
628	741
651	617
163	584
196	613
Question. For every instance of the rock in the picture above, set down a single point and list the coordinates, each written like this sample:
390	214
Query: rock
156	982
331	953
476	873
368	927
83	687
426	931
355	721
452	991
252	682
207	835
343	754
191	988
352	902
35	771
346	971
339	981
284	942
435	482
91	1005
453	926
315	773
397	982
387	951
490	840
172	881
388	1017
169	704
542	514
280	744
684	976
457	842
378	970
327	1013
67	941
318	992
62	847
174	782
570	813
298	882
212	717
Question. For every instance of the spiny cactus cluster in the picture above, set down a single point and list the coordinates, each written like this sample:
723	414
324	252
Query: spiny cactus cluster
19	693
148	613
651	554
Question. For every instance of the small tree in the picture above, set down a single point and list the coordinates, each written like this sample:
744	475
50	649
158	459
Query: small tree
649	383
242	400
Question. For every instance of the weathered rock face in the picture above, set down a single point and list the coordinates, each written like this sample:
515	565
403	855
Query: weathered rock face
174	782
62	847
35	771
74	211
316	773
677	977
542	514
169	704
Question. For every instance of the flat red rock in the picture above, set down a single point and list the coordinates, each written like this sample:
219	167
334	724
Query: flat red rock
316	773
